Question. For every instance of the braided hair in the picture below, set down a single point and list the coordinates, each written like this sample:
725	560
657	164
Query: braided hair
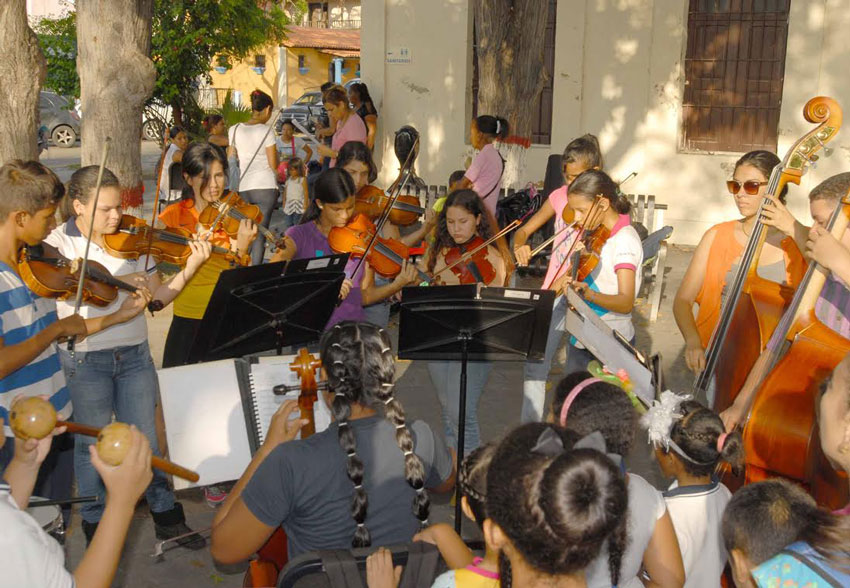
557	510
702	436
472	478
359	363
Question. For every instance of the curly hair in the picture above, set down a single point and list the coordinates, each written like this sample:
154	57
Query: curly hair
697	433
558	511
359	363
487	227
599	407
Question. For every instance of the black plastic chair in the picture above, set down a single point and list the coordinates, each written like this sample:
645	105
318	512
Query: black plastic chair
347	568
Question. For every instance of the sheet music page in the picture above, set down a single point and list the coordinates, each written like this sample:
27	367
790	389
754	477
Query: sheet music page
204	421
273	371
586	326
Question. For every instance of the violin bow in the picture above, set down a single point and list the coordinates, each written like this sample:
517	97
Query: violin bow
406	167
551	239
513	225
78	299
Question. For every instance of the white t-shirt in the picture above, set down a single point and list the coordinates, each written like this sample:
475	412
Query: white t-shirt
165	181
28	555
696	512
250	139
646	506
285	152
70	242
623	249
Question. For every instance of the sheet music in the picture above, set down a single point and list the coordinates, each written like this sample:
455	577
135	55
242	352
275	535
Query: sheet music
307	135
586	326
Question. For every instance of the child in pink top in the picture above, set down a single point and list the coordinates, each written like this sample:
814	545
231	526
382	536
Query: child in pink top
485	172
580	155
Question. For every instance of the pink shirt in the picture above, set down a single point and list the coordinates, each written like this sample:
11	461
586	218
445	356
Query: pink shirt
354	129
485	173
558	264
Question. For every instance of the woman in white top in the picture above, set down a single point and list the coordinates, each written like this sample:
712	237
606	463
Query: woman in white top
255	145
178	141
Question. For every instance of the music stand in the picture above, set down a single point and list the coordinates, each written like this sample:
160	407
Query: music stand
269	306
471	322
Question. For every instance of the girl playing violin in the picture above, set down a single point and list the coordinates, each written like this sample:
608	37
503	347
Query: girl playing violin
580	155
111	371
612	286
716	258
464	218
205	170
331	206
356	158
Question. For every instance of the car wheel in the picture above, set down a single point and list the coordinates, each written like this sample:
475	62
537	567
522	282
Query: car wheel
152	130
64	136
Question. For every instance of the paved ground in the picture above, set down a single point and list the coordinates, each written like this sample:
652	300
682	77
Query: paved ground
498	412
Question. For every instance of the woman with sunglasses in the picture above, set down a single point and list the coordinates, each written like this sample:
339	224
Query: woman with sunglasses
716	259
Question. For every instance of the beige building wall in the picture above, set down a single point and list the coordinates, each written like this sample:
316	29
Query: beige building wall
241	77
619	75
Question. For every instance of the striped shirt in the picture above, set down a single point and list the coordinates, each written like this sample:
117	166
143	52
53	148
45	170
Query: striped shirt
833	306
22	315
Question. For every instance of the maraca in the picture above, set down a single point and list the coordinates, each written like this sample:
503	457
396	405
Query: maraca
35	418
113	442
32	418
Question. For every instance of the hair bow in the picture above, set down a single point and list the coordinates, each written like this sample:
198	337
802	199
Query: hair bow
550	444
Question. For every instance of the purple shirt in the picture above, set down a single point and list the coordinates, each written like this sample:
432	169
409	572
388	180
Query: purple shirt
485	173
833	306
310	242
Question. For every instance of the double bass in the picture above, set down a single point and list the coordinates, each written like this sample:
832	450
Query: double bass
272	557
754	305
780	436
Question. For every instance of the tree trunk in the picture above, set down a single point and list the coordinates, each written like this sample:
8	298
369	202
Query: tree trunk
23	70
116	78
511	35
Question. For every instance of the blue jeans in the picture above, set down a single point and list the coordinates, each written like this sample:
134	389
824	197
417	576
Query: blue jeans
265	199
445	375
535	374
290	220
378	313
123	381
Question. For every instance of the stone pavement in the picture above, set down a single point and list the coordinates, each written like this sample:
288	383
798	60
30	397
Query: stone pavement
498	412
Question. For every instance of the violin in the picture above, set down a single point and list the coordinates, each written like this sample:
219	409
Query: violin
50	275
227	213
135	237
476	268
386	256
371	201
588	258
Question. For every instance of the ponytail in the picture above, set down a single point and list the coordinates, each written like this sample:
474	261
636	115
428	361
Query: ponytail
494	127
702	437
594	182
81	187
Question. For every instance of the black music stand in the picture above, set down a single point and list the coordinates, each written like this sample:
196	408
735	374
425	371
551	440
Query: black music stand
269	306
471	322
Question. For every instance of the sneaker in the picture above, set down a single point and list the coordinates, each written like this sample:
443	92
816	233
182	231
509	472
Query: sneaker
214	495
172	524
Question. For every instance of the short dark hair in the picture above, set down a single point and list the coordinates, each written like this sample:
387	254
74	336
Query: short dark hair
456	176
28	186
833	188
260	100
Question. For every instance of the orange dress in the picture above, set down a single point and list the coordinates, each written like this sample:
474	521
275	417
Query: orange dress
725	249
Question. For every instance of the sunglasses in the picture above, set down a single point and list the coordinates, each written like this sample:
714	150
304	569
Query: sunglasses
751	187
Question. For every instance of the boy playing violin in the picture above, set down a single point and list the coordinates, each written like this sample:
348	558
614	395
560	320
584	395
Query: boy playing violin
29	329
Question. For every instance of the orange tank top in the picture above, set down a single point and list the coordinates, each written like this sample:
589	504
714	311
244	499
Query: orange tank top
725	249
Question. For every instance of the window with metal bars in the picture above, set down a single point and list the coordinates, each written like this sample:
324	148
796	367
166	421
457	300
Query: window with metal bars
541	126
734	71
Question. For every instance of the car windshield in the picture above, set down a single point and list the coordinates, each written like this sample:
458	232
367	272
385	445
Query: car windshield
306	99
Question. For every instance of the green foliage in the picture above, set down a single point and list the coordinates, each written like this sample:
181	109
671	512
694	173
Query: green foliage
233	113
186	37
58	40
189	34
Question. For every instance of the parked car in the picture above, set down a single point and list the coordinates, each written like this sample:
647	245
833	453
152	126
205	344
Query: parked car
62	121
155	118
305	110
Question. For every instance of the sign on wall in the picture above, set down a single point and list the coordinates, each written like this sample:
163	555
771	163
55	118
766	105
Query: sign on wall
399	55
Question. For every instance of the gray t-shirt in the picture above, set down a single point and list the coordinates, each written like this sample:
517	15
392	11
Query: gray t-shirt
303	486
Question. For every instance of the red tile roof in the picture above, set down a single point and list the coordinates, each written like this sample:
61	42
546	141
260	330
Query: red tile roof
345	39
